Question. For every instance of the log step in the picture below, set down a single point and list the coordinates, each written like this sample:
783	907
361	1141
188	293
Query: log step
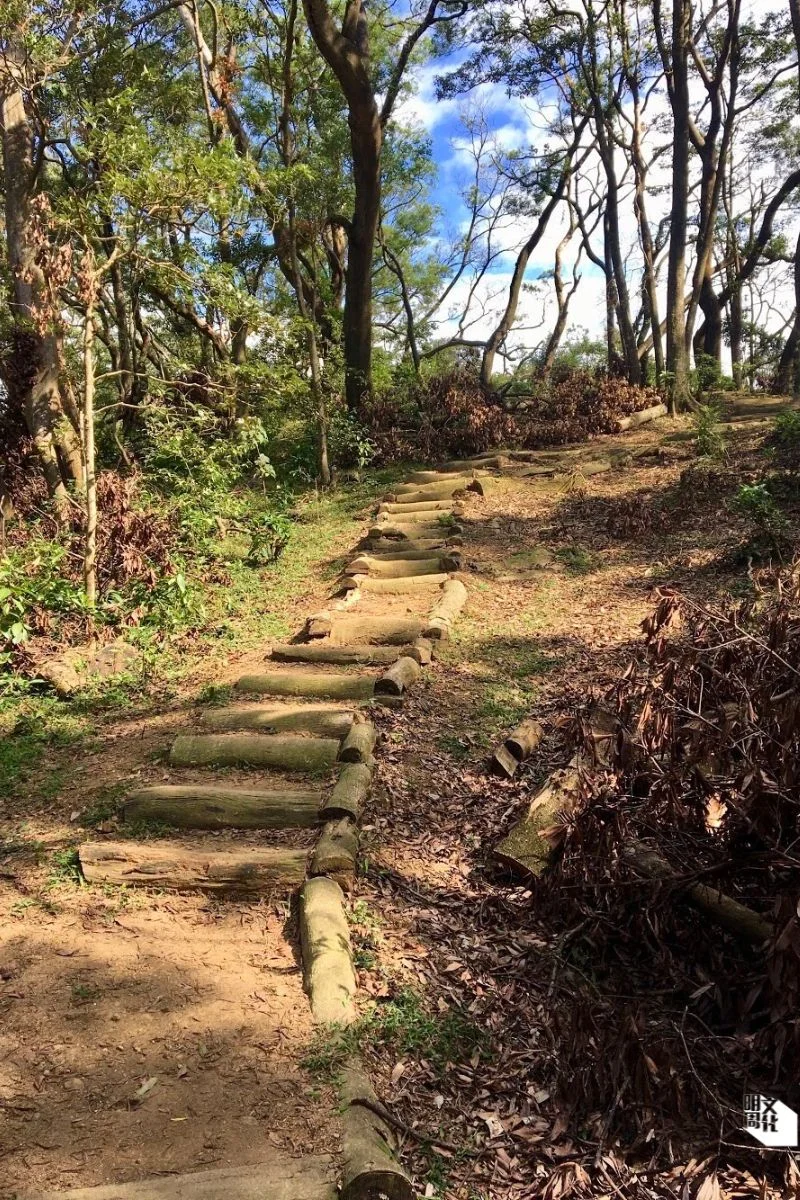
399	586
411	546
406	530
379	631
337	685
401	568
182	866
286	753
277	1177
453	599
399	507
323	720
200	807
443	489
360	656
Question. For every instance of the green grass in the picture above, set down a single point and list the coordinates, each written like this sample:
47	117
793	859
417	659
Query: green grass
577	559
404	1026
103	807
65	869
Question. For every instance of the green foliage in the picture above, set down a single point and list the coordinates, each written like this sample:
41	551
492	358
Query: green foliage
709	439
34	591
786	430
577	559
756	503
708	377
65	868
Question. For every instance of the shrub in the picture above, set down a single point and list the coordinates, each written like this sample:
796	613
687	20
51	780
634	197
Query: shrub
445	415
709	441
756	503
583	404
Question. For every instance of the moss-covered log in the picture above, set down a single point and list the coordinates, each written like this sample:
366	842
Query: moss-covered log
357	656
369	1168
337	686
400	568
357	747
323	720
193	806
336	853
327	953
350	793
283	752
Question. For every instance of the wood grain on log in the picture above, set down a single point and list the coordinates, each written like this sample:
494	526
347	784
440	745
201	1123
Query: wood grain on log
357	747
327	954
449	486
404	673
404	584
400	507
445	612
369	1168
193	806
422	651
363	656
518	746
399	568
312	683
350	793
414	531
642	417
323	720
179	866
395	631
305	754
336	853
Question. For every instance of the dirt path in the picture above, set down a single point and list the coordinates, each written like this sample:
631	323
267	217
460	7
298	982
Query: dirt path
177	1027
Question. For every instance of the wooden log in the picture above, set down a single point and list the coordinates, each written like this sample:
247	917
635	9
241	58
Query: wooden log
408	493
737	918
378	631
400	677
398	552
277	1176
203	807
305	754
482	462
361	656
415	531
422	651
336	853
437	519
422	478
453	599
396	548
402	568
518	746
357	747
642	417
349	796
407	584
524	850
399	507
369	1168
323	720
311	683
327	954
183	866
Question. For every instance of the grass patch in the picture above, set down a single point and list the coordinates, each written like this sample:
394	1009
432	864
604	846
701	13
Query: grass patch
403	1026
577	560
215	694
65	869
103	807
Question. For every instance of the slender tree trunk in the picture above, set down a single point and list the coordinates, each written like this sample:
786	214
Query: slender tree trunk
563	297
33	370
366	142
89	456
789	366
646	238
678	67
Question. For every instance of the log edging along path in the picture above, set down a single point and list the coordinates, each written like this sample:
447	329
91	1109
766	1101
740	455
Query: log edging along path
315	720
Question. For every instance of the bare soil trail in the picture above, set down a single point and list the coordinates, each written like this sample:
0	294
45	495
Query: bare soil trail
172	1037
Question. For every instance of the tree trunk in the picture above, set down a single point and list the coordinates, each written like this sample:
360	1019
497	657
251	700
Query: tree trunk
677	66
788	376
33	368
